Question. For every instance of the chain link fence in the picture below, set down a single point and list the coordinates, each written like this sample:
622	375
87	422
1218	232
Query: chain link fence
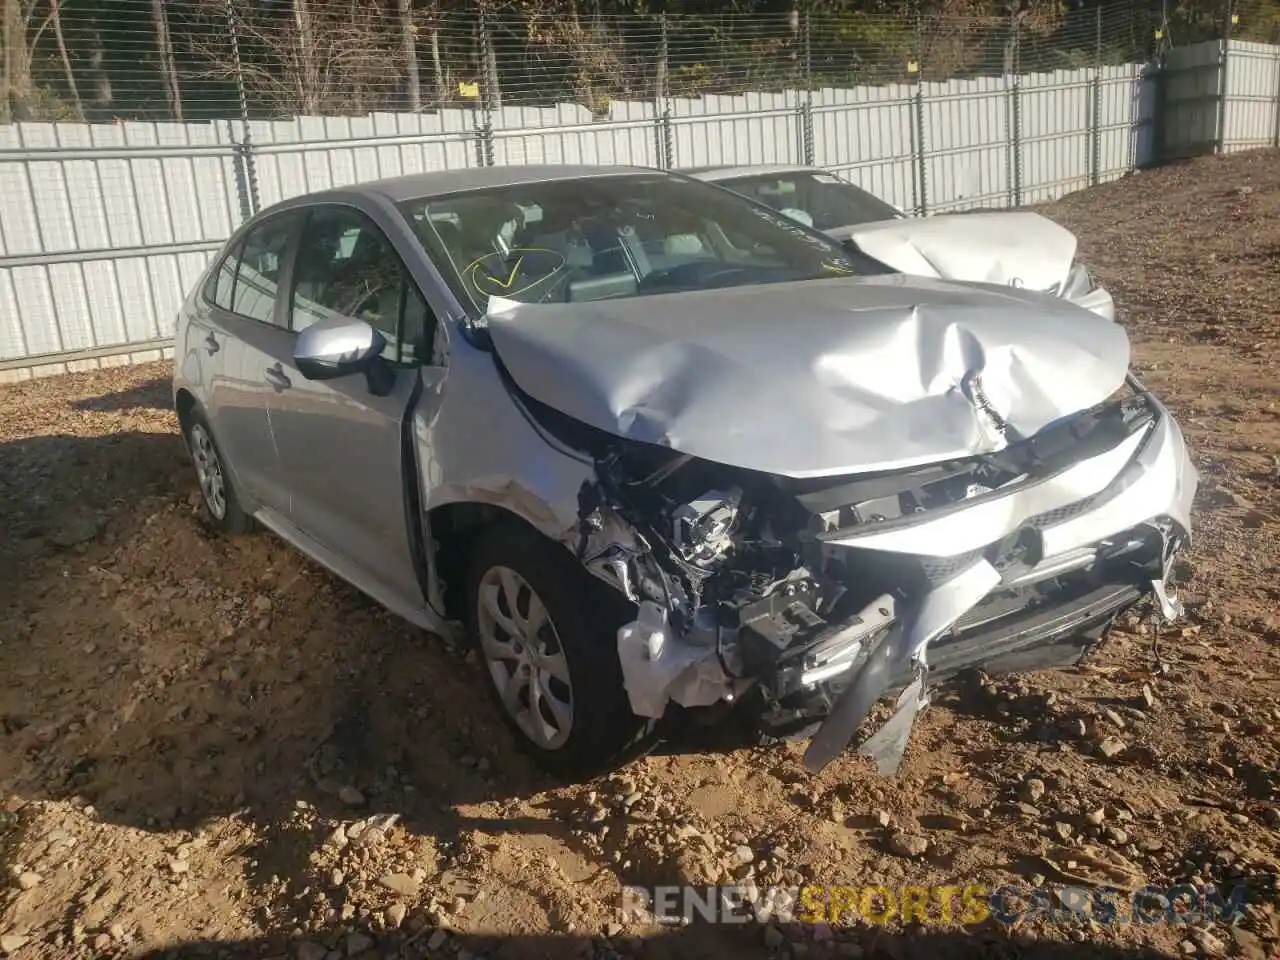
158	60
214	59
135	135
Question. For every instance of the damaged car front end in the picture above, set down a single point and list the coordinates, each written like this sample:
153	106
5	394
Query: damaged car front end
800	476
828	595
1013	547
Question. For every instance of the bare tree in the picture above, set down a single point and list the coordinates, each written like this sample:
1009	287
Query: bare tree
409	46
55	15
103	95
311	58
18	88
437	66
164	47
587	44
307	73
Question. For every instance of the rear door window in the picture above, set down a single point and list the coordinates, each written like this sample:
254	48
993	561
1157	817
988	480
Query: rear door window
218	291
258	273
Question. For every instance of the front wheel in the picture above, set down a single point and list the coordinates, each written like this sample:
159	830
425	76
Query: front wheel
546	632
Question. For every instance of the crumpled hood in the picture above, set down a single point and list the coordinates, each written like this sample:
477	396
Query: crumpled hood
815	378
1017	248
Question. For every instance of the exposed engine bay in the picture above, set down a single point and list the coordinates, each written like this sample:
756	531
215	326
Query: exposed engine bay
799	587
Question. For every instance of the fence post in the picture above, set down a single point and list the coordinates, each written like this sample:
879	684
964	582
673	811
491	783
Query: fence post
489	92
1095	137
1275	127
1160	111
483	129
918	149
919	168
663	146
1224	58
246	171
1013	80
805	109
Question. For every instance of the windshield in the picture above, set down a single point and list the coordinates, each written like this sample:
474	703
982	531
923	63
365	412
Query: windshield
629	235
817	199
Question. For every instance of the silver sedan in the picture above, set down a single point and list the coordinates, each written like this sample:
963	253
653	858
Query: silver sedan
658	449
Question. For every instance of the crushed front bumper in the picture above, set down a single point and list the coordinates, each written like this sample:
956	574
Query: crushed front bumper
1102	532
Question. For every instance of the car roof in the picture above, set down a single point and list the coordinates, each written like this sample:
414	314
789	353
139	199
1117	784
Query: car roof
761	170
439	182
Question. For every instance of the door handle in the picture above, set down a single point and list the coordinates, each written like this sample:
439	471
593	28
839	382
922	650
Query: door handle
211	344
277	378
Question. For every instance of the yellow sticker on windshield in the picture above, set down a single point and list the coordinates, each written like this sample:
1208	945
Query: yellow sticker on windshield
494	274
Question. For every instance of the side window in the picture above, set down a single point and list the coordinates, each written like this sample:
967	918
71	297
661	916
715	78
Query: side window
346	267
217	290
261	262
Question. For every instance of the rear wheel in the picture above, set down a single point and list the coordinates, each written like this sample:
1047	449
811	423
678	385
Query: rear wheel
220	501
546	632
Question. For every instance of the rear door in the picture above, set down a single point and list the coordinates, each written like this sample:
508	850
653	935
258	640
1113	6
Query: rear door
342	448
215	349
248	325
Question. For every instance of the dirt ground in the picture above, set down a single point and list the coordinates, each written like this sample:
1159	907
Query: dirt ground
213	748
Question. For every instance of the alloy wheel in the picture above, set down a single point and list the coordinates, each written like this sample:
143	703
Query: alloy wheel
209	471
525	658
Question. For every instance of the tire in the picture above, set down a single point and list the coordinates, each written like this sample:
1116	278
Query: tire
221	505
583	615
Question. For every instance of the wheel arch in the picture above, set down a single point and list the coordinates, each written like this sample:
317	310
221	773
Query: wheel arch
453	529
185	403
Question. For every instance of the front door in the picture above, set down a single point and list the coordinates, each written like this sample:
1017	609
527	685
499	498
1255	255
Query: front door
341	447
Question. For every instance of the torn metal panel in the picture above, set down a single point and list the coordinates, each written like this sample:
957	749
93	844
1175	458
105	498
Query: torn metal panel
883	372
888	745
936	612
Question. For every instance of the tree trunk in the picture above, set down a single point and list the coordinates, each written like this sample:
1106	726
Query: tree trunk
102	93
409	45
17	63
55	15
442	88
164	47
308	79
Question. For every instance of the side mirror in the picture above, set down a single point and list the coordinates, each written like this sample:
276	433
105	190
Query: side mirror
336	348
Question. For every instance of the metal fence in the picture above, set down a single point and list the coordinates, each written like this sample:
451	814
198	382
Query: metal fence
141	141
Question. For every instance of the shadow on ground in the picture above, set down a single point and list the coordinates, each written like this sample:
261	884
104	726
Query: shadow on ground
155	394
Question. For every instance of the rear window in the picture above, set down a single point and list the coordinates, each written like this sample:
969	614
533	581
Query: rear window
819	200
247	282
